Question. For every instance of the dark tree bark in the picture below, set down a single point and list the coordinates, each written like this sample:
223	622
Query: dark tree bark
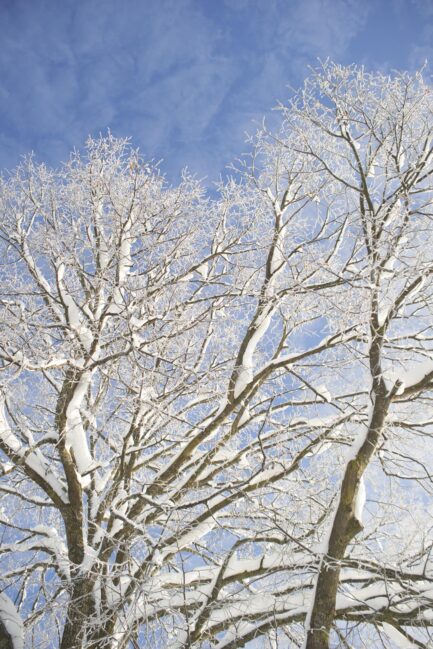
6	641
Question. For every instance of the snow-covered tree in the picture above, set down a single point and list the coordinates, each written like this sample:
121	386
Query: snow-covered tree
215	422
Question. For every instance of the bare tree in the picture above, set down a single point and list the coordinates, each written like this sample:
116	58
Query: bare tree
215	419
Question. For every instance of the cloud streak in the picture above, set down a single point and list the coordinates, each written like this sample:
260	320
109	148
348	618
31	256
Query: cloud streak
183	78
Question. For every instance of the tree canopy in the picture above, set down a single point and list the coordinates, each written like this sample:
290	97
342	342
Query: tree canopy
216	413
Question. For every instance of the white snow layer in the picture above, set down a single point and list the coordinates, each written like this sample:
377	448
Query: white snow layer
323	391
73	312
123	269
416	372
398	638
413	374
75	434
12	621
34	459
55	545
360	500
245	374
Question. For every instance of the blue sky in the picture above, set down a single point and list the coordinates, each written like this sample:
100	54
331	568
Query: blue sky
185	79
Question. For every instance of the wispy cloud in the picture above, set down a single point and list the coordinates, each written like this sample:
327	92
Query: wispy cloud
183	78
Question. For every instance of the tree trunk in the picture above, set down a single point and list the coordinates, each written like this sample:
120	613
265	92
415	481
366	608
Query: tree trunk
79	613
5	638
345	527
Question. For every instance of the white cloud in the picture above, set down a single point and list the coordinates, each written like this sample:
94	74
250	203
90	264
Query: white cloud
179	76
